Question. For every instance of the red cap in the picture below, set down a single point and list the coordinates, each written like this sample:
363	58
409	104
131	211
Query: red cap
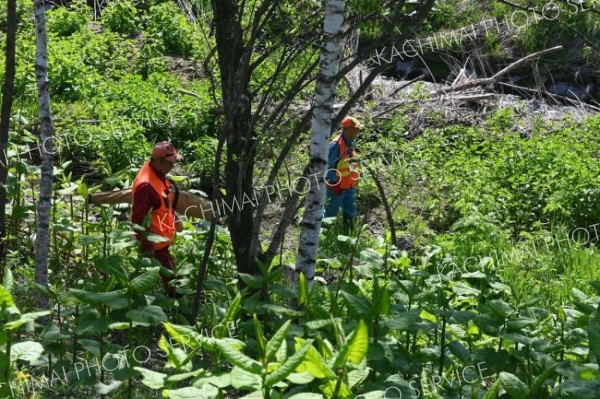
351	122
166	150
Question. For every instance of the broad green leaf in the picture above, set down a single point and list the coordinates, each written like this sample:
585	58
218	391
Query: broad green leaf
317	324
275	342
220	381
405	320
144	282
251	281
501	308
185	376
104	389
112	266
306	395
147	315
460	351
8	281
359	307
356	377
289	366
594	334
301	378
242	379
90	345
28	351
98	325
237	358
188	337
359	344
313	362
514	386
113	299
183	393
329	388
5	297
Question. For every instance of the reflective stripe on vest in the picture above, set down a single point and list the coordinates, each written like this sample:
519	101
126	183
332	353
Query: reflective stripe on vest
346	169
163	218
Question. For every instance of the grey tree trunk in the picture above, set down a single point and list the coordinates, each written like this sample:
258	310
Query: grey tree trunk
46	137
7	99
325	92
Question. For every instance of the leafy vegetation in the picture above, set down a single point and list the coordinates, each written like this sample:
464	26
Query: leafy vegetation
491	291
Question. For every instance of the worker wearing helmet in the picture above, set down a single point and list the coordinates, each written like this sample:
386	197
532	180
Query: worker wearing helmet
151	190
342	175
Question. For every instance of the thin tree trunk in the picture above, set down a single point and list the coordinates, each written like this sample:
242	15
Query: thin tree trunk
7	99
46	137
321	126
234	61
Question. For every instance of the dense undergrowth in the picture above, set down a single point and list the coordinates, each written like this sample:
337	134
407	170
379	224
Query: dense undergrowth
491	292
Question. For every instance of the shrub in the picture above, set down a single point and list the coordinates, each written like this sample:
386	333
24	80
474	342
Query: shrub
66	21
121	17
168	22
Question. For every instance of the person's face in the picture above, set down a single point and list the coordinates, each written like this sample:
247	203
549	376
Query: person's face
351	132
163	165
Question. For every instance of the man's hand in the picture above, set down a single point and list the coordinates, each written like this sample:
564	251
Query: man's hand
178	223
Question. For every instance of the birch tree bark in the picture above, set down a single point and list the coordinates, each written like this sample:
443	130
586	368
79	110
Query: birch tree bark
46	137
325	92
7	99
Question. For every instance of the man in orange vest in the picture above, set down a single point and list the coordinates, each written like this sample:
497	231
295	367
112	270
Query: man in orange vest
151	190
342	175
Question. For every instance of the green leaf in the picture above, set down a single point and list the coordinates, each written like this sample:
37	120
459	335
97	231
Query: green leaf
260	336
359	307
514	386
356	347
113	299
112	266
242	379
104	389
306	395
29	351
289	366
301	378
251	281
276	341
147	315
313	363
539	380
183	393
501	308
405	320
459	350
303	297
5	297
317	324
188	337
237	358
8	281
359	344
493	392
594	334
144	282
232	309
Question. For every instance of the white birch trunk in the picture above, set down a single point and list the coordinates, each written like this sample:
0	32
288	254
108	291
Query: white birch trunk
46	133
321	127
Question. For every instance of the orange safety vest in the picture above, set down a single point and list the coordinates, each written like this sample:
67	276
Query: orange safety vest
163	218
346	171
